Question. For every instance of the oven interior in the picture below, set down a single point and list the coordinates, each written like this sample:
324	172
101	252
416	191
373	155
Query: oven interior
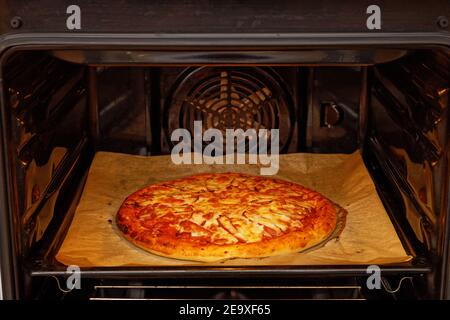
60	107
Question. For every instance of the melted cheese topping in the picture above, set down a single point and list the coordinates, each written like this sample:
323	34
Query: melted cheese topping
225	208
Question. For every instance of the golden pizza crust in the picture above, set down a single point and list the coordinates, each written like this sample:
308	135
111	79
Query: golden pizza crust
286	244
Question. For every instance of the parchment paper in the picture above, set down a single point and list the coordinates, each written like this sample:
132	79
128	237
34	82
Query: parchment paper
368	237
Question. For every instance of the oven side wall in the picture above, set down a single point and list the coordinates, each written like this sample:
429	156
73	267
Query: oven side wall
9	276
409	138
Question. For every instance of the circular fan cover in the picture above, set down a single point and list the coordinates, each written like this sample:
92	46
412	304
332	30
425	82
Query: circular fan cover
230	98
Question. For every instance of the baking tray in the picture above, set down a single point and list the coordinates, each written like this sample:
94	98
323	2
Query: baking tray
367	238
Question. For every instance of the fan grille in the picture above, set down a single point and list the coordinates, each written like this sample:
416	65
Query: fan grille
230	98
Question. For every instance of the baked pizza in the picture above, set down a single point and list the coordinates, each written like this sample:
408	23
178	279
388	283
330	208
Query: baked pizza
212	217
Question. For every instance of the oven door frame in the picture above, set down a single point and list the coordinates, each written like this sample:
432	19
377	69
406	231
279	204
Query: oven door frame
10	266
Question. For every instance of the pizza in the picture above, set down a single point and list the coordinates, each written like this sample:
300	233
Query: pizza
218	216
